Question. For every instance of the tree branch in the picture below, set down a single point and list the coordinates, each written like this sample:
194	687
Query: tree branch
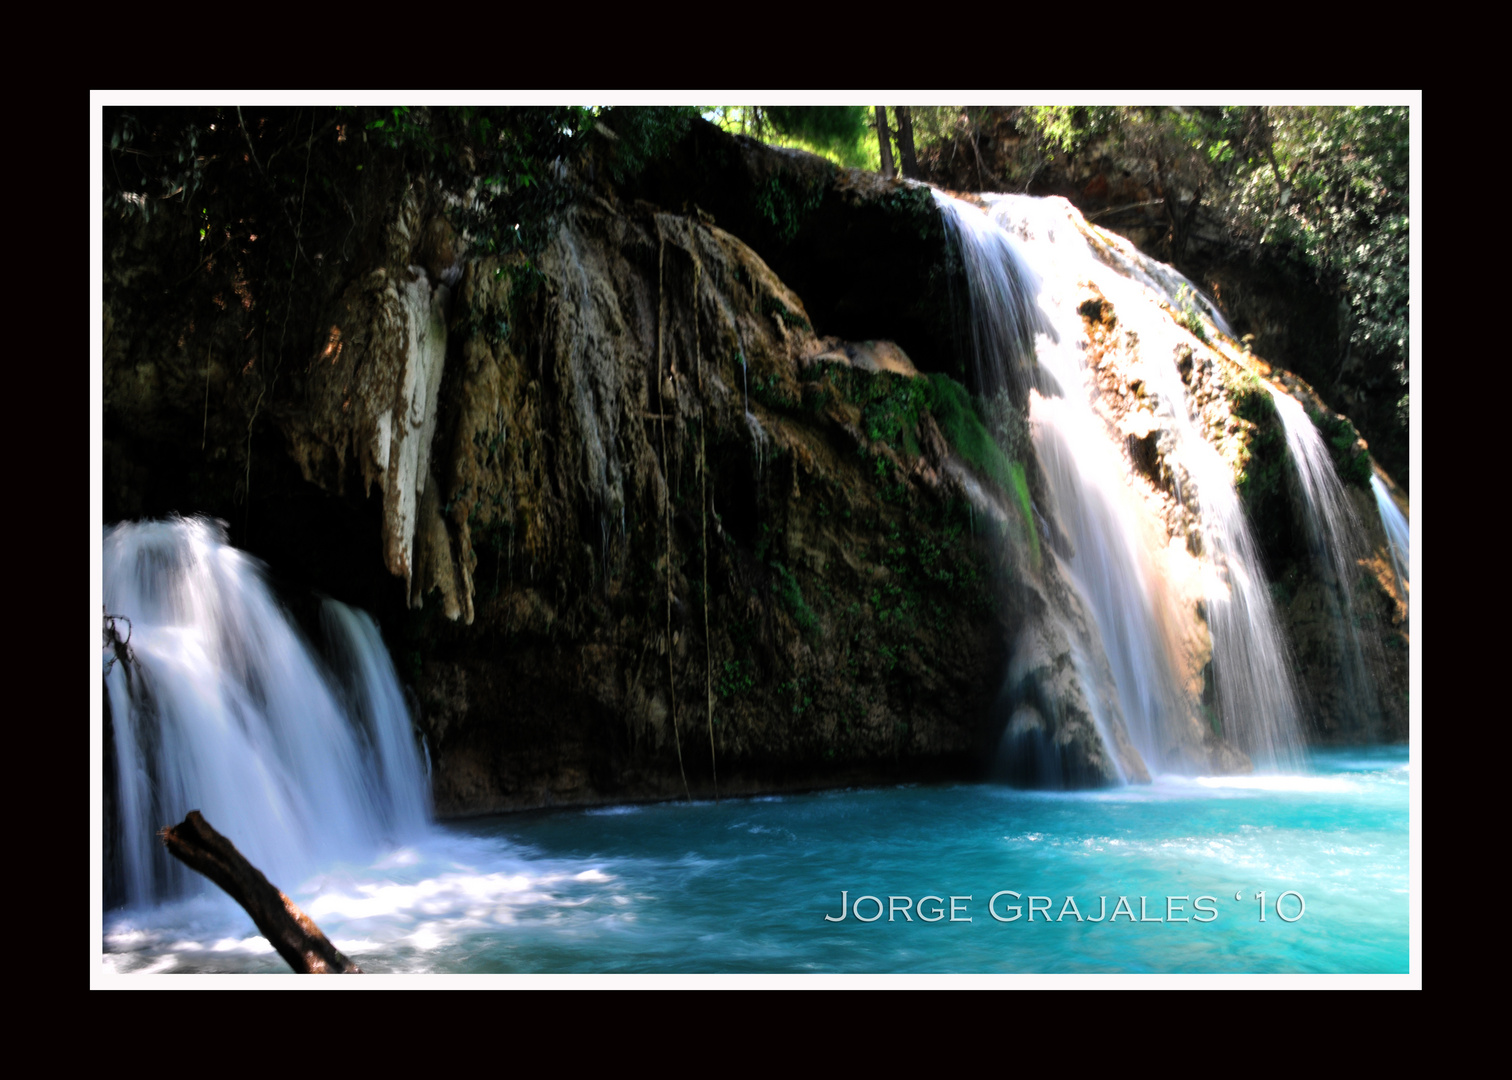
289	930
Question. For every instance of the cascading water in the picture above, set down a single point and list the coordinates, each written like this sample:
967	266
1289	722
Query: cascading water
226	710
1398	536
1026	260
1335	536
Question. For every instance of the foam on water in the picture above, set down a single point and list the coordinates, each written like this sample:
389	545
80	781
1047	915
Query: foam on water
226	709
743	885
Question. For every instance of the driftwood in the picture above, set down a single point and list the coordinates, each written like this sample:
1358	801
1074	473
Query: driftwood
293	933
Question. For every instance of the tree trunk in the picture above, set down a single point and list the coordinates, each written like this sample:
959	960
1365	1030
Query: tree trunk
884	143
905	143
296	937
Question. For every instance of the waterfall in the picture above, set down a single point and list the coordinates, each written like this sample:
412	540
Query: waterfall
227	710
1397	534
1028	262
1335	536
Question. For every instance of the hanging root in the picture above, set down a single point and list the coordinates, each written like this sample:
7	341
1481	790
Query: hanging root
703	495
667	477
120	648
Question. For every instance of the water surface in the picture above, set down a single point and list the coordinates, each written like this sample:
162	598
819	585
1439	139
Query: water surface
744	885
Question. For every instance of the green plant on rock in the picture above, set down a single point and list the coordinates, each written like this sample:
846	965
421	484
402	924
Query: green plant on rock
1250	400
736	679
890	409
786	586
962	427
1188	315
787	204
770	391
1354	467
770	305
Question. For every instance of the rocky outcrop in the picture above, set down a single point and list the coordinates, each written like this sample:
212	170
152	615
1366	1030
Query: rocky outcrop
698	537
1235	415
638	520
372	394
1280	305
643	510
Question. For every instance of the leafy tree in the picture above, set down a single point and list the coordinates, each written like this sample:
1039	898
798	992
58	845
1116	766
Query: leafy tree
841	133
1334	188
838	128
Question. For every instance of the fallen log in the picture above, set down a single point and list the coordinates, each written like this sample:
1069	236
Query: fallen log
289	930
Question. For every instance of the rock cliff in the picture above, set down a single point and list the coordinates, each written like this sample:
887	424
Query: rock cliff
672	499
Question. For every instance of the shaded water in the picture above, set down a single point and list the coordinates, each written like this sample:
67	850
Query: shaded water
743	886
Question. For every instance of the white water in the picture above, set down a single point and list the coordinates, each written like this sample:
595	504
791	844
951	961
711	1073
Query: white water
228	711
1335	536
1026	260
1397	533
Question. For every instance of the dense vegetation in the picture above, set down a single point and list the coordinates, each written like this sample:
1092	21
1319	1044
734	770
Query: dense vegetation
1326	185
1315	193
1313	199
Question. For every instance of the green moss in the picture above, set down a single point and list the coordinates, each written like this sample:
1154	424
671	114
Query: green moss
961	423
962	426
770	305
1250	400
1340	435
1260	472
786	586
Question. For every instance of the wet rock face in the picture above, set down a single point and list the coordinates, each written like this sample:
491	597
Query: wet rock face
625	518
869	256
644	511
1294	319
1235	415
673	531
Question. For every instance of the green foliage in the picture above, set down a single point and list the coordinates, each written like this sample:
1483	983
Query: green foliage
791	594
890	409
786	204
1250	400
801	701
643	133
1261	472
1332	186
771	392
770	305
1340	435
154	157
841	133
962	427
834	127
736	679
1188	315
934	574
1068	128
302	181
